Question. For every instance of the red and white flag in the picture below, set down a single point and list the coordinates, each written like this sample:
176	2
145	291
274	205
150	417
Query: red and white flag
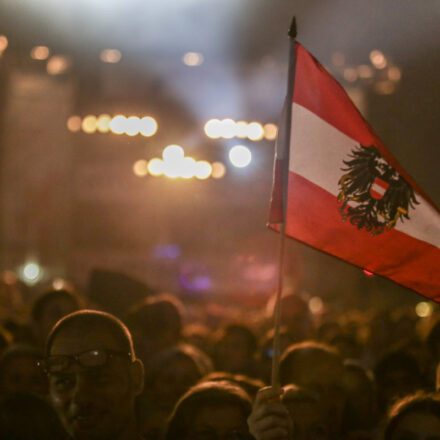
347	195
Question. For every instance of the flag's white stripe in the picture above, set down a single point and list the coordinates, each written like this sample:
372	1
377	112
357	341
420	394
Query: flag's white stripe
317	153
379	189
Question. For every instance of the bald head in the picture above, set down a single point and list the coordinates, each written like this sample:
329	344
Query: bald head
87	327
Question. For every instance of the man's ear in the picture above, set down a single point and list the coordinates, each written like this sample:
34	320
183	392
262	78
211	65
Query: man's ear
137	376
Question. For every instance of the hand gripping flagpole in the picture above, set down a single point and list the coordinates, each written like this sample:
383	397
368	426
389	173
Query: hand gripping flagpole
285	182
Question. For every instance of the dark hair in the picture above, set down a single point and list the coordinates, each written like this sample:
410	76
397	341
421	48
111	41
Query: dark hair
295	353
156	314
27	417
97	321
200	360
49	295
204	395
433	339
242	330
421	402
398	360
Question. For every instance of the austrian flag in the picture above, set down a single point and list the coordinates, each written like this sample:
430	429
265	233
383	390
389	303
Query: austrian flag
346	193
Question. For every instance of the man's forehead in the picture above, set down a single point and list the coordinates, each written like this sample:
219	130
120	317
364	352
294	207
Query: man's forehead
73	340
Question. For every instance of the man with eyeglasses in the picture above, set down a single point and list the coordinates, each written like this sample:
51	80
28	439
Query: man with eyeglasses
94	376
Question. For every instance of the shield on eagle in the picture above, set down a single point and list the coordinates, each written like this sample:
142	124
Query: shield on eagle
378	188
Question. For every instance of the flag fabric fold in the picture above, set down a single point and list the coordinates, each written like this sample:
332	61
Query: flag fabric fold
347	195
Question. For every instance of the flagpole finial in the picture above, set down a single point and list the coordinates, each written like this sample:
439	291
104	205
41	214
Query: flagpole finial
292	29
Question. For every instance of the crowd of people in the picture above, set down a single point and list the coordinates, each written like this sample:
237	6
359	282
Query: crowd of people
166	369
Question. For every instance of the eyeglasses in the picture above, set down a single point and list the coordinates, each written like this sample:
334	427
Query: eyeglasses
86	359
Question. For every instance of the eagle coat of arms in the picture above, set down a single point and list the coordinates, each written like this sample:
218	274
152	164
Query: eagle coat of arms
373	195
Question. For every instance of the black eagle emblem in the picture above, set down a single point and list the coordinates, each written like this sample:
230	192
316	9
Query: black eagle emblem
373	194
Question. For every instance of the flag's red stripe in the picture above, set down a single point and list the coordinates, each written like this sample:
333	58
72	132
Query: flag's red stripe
317	91
313	218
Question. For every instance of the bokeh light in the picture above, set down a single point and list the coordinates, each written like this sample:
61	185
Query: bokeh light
385	87
350	74
132	126
270	131
255	131
156	167
140	168
3	43
394	73
40	53
378	59
89	124
316	305
110	56
74	123
173	153
103	123
365	72
227	128
117	124
368	273
218	170
241	129
213	129
424	309
148	126
31	272
192	59
203	169
57	65
188	168
240	156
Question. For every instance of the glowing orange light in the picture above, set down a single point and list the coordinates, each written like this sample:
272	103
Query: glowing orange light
385	87
156	167
89	124
103	123
74	123
57	65
40	53
270	131
3	43
218	170
378	59
140	168
193	59
365	72
394	73
241	129
110	56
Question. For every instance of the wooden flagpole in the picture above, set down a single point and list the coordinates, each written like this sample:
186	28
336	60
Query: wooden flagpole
285	171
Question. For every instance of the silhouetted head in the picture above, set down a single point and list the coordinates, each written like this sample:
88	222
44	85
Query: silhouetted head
210	411
94	375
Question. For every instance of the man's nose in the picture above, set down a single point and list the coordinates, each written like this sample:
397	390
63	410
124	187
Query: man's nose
82	392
